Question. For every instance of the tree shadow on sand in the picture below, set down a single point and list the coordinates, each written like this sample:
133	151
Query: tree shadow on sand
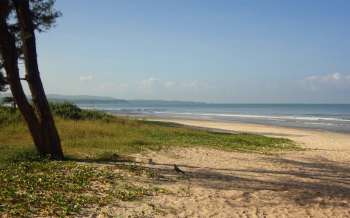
303	182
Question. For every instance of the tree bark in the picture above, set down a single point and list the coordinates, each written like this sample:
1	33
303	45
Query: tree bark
10	61
41	105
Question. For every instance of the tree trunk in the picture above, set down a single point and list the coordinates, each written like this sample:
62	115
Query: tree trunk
41	105
10	61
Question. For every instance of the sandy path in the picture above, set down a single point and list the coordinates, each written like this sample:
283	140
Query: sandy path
311	183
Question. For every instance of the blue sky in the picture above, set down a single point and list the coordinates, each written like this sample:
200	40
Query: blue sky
245	51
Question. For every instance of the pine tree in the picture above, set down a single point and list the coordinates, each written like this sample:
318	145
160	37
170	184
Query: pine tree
19	21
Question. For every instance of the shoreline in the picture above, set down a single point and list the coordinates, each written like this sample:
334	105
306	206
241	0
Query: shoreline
291	125
307	138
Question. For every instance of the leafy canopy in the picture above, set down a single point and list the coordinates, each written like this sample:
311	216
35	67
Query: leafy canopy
44	17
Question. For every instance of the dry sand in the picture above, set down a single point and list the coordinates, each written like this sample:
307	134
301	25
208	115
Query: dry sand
310	183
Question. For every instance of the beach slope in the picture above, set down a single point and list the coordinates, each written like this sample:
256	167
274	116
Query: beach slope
314	182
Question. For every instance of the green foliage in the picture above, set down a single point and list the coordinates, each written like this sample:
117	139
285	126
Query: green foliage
9	116
87	134
70	111
43	13
48	188
44	17
67	111
27	187
64	110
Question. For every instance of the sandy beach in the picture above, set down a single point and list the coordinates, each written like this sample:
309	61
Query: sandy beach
308	138
314	182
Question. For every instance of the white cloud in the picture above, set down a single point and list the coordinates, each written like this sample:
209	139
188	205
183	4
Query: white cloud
334	77
149	82
154	83
332	80
86	78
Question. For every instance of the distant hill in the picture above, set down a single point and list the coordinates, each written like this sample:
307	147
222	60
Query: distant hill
83	98
90	99
101	99
165	103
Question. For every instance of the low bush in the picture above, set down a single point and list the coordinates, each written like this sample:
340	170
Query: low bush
70	111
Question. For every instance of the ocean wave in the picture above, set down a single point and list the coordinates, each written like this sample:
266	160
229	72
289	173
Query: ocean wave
252	116
160	111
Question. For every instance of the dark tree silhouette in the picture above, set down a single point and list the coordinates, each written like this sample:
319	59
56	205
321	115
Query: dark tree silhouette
2	82
19	19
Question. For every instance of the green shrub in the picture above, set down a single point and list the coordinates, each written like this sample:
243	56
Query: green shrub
64	110
70	111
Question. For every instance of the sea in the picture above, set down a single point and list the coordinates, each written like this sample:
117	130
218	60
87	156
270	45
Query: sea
329	117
